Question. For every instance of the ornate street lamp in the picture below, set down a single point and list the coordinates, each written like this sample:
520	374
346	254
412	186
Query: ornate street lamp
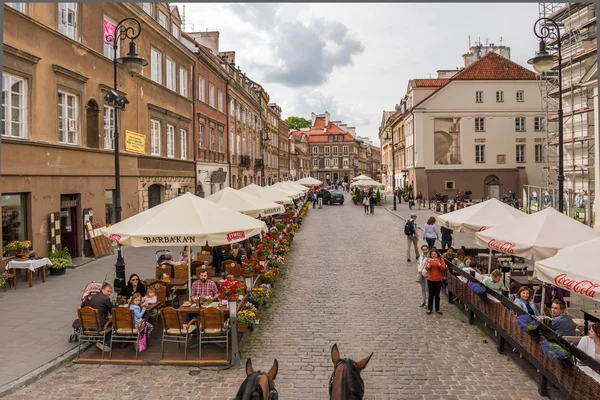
264	137
546	28
133	64
387	138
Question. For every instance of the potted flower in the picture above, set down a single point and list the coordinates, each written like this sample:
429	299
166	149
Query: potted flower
232	288
247	317
262	251
554	351
251	268
204	300
19	249
260	294
528	325
280	225
478	289
272	275
60	259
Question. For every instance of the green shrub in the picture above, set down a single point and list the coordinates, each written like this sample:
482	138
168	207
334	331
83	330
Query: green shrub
378	197
60	258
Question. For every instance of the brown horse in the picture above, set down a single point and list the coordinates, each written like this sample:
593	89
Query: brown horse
345	382
258	385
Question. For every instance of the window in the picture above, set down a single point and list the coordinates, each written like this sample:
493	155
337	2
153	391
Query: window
480	153
330	138
345	162
156	66
183	134
345	149
211	139
327	162
220	100
171	78
201	138
232	107
341	138
183	82
14	214
147	8
238	144
221	141
175	30
201	89
109	30
20	7
67	19
520	95
239	112
14	106
499	96
479	124
109	128
520	124
327	149
315	149
520	153
155	137
335	162
67	118
211	95
539	153
334	149
479	96
315	162
162	19
170	141
449	185
538	124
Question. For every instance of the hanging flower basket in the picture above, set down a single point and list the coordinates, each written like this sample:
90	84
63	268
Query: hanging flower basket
528	325
554	351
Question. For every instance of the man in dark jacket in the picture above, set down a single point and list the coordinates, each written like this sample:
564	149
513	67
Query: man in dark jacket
217	256
101	302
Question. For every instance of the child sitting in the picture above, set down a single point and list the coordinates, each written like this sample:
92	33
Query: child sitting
138	311
148	299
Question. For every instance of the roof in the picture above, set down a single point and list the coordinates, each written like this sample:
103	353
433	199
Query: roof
430	82
319	123
493	66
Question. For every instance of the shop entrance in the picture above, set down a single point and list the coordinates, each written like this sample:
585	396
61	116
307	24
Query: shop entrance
70	223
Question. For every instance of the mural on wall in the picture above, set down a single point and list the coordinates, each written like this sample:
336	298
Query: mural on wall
446	141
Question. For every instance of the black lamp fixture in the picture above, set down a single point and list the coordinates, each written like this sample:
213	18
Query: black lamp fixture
546	28
133	65
388	138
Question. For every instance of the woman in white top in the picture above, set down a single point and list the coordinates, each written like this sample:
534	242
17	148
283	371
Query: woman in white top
430	234
421	269
590	344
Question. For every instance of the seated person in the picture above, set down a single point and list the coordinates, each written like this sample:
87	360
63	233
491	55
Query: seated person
449	255
561	322
150	299
204	287
101	302
187	256
590	344
168	260
459	259
494	281
524	301
514	289
134	286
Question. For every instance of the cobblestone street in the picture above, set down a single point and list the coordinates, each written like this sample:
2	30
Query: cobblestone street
348	283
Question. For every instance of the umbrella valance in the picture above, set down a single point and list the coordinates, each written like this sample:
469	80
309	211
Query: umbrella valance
478	217
308	181
361	178
367	183
267	193
245	203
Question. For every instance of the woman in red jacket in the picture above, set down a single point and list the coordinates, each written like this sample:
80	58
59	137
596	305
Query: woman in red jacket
436	266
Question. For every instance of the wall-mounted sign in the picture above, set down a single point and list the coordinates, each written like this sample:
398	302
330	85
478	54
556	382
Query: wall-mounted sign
135	142
218	176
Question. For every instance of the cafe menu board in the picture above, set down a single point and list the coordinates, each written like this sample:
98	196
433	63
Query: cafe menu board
135	142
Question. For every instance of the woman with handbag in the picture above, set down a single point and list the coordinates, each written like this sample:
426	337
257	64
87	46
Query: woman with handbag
422	273
435	267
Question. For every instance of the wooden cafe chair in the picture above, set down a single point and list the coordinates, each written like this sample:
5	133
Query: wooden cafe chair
124	330
231	268
200	268
203	256
164	269
214	328
175	330
91	330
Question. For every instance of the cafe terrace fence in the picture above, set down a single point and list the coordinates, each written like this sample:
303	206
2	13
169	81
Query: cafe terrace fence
500	315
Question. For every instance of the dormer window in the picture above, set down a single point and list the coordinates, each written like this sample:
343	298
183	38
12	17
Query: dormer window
330	138
175	30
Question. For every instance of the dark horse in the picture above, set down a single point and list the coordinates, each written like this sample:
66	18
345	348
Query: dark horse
345	382
258	385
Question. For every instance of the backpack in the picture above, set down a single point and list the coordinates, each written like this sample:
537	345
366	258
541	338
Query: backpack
409	228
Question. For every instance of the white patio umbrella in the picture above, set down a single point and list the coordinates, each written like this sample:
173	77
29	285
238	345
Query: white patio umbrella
361	178
308	181
267	193
245	203
536	236
367	183
573	268
480	216
294	185
284	188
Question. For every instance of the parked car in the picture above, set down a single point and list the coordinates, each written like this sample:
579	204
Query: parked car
333	197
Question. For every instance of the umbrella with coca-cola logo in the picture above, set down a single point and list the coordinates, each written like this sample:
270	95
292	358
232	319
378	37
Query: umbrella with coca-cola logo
573	268
536	236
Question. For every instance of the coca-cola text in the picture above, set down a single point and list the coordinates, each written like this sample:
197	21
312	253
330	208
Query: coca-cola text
504	247
585	287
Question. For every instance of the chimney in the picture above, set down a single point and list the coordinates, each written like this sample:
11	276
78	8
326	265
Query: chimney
208	39
313	117
326	118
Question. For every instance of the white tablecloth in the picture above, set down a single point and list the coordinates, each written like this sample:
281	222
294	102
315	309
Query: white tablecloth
31	265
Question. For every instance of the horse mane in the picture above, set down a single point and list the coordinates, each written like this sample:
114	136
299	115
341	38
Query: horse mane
354	383
247	387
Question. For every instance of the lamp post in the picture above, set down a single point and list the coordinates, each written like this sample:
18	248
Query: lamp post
387	137
133	64
546	28
264	137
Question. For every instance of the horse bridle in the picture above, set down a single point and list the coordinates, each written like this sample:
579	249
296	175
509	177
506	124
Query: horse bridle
348	363
273	394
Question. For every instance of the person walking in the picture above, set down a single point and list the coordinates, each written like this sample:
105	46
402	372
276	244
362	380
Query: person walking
435	267
320	198
430	234
411	230
372	202
421	269
447	237
365	203
314	199
420	199
411	200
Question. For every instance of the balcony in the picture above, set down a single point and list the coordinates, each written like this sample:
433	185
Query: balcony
258	162
244	161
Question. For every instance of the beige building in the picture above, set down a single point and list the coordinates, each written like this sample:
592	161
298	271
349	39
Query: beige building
57	147
301	158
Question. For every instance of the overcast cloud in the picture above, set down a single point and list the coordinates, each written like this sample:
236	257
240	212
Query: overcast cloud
355	60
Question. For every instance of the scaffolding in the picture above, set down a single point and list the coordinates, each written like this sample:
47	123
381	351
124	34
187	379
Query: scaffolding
579	73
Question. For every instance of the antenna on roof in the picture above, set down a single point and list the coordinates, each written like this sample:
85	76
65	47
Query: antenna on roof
469	41
429	73
501	40
183	18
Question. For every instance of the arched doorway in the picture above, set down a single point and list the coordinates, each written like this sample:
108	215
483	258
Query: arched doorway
92	114
493	187
245	180
154	195
234	182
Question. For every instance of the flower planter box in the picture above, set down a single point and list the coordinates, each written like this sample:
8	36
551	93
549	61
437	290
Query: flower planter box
261	258
242	327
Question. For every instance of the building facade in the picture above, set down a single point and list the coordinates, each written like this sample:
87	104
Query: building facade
300	147
284	151
57	147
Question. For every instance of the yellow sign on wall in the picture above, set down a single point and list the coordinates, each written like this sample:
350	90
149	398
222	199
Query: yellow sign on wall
135	142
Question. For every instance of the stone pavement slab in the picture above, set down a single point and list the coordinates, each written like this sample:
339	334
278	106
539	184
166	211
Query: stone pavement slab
347	283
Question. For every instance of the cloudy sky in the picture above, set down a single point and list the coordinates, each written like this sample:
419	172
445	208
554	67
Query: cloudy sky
355	60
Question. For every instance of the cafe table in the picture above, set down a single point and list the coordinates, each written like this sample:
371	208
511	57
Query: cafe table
30	266
524	280
170	284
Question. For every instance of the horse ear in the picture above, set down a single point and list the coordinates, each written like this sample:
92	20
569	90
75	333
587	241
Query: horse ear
363	363
335	354
249	368
273	371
